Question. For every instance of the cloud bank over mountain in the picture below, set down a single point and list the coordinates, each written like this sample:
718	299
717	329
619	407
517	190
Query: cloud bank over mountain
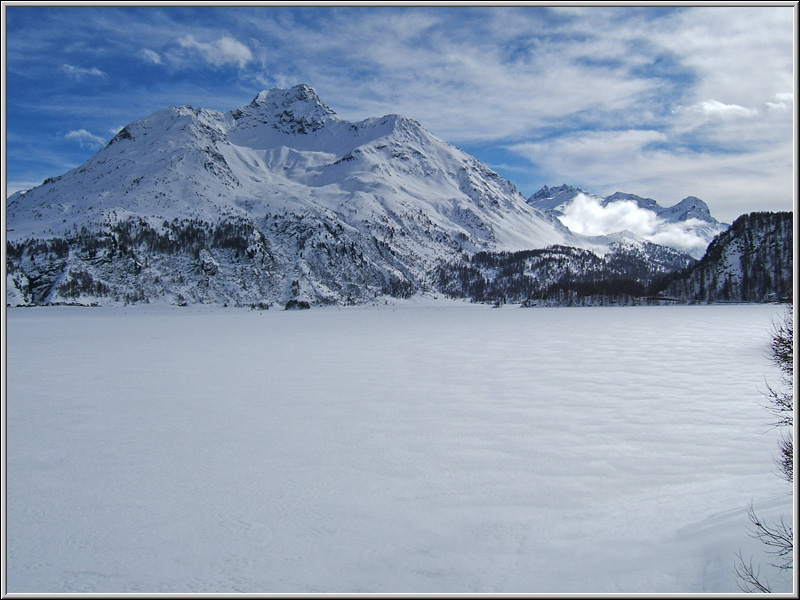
588	215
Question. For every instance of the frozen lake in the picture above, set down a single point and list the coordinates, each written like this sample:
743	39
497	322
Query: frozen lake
448	448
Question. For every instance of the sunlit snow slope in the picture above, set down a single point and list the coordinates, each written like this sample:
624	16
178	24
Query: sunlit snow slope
287	151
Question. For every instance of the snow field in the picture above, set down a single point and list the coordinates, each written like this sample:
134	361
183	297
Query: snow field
410	448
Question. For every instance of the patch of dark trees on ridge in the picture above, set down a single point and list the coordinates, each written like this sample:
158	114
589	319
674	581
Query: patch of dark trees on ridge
123	237
511	277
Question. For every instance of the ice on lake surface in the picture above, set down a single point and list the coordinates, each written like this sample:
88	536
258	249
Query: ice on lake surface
444	448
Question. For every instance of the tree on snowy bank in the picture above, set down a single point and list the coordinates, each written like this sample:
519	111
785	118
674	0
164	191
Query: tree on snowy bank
777	537
782	402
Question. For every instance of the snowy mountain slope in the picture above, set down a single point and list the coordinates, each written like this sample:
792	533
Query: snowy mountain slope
555	199
276	200
284	152
687	226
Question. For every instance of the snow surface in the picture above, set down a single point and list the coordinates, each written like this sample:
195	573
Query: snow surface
414	447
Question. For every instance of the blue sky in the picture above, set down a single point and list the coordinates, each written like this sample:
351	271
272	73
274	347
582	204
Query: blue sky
663	102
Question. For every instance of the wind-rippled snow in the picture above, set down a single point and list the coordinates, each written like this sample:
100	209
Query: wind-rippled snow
445	448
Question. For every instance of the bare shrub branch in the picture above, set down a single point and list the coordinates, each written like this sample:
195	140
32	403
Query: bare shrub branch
749	577
777	537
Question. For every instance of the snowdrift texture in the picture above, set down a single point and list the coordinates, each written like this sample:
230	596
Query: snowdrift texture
403	449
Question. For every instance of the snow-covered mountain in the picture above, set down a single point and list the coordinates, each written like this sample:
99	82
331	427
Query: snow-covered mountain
287	152
280	199
323	208
687	226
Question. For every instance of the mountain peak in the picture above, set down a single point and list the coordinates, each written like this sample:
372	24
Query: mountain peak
297	110
554	199
646	203
692	202
551	192
300	93
690	207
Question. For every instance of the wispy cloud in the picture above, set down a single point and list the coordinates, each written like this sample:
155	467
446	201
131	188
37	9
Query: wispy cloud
12	187
592	152
81	72
783	101
739	55
151	56
86	139
225	50
715	108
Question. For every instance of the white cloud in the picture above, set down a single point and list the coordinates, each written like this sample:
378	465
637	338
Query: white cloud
586	215
742	55
150	55
276	80
492	74
225	50
12	187
86	139
783	101
715	108
81	72
681	235
591	153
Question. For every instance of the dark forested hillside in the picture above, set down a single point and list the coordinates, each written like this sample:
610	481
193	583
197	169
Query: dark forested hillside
752	261
561	275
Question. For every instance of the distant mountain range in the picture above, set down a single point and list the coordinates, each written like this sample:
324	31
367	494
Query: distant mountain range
686	226
282	200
